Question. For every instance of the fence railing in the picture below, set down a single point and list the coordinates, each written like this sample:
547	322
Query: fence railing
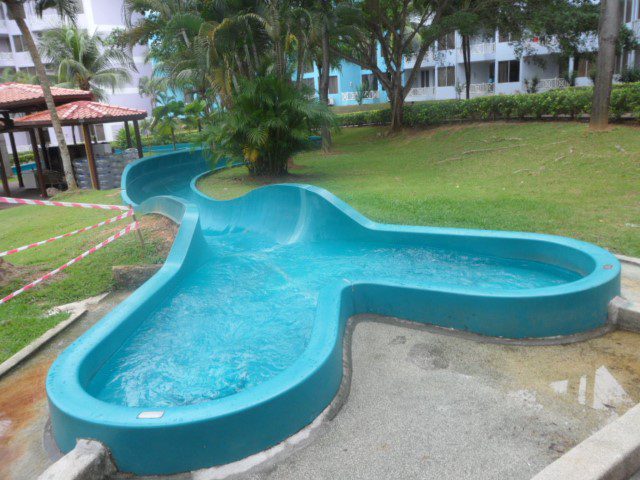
481	89
424	93
551	84
352	96
482	48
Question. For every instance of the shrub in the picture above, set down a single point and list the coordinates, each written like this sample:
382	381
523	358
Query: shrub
569	102
152	139
269	121
630	75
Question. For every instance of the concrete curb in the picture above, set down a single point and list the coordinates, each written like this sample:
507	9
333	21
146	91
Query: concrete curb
76	309
89	460
20	356
625	314
627	259
612	453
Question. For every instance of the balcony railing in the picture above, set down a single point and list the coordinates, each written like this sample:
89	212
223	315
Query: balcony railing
6	57
481	89
551	84
352	96
422	93
483	48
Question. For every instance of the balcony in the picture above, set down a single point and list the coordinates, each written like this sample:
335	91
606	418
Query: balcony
421	93
352	96
481	89
483	48
6	57
552	84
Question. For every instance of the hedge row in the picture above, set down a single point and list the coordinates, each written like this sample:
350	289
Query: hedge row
570	102
155	139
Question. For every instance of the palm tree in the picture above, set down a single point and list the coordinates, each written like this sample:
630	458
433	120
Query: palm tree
152	87
68	9
85	60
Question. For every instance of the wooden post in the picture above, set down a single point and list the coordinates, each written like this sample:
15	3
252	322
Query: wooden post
36	157
92	163
5	180
128	134
136	129
16	159
45	153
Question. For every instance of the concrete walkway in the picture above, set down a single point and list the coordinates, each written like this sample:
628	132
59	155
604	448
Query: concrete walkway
422	405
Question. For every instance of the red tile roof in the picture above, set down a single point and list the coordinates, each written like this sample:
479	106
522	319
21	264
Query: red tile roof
19	96
76	113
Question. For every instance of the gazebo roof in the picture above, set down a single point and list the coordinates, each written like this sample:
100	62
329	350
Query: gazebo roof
82	112
21	97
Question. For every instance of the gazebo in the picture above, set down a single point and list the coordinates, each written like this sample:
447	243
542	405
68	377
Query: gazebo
19	98
85	113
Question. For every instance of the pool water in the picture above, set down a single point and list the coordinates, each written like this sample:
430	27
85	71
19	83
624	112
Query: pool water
246	313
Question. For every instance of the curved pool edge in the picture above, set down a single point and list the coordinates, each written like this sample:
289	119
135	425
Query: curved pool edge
197	436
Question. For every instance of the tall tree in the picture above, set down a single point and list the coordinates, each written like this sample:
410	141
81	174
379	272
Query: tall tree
85	60
396	30
326	22
608	31
66	9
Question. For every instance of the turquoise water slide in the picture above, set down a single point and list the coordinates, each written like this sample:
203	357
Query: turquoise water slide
236	343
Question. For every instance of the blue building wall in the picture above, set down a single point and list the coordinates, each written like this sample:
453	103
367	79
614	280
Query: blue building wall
349	79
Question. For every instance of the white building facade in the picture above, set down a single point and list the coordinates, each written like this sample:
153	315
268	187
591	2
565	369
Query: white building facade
99	16
497	67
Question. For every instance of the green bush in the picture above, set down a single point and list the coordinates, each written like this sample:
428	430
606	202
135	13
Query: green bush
569	102
270	121
185	136
25	157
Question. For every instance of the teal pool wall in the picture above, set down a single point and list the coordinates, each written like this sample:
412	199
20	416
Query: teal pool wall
233	427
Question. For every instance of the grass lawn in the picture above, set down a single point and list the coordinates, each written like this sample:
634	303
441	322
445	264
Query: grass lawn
542	177
25	317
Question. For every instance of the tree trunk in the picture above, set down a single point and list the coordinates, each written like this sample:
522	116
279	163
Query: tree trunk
466	56
397	108
323	80
396	98
300	61
608	30
17	12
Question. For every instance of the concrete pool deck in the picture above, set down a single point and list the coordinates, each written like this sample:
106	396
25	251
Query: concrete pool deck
421	405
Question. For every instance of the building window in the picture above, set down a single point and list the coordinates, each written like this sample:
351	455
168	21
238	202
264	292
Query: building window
424	78
98	133
628	11
5	45
333	84
309	82
446	76
19	43
636	58
30	70
370	80
563	67
509	71
448	42
583	67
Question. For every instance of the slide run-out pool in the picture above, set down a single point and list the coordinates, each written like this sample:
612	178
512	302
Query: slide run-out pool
236	343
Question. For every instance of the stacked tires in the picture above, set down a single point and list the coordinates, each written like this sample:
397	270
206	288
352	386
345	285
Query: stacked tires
108	167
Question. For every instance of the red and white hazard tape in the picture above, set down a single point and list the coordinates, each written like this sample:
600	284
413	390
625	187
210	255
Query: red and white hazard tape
129	228
49	203
65	235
